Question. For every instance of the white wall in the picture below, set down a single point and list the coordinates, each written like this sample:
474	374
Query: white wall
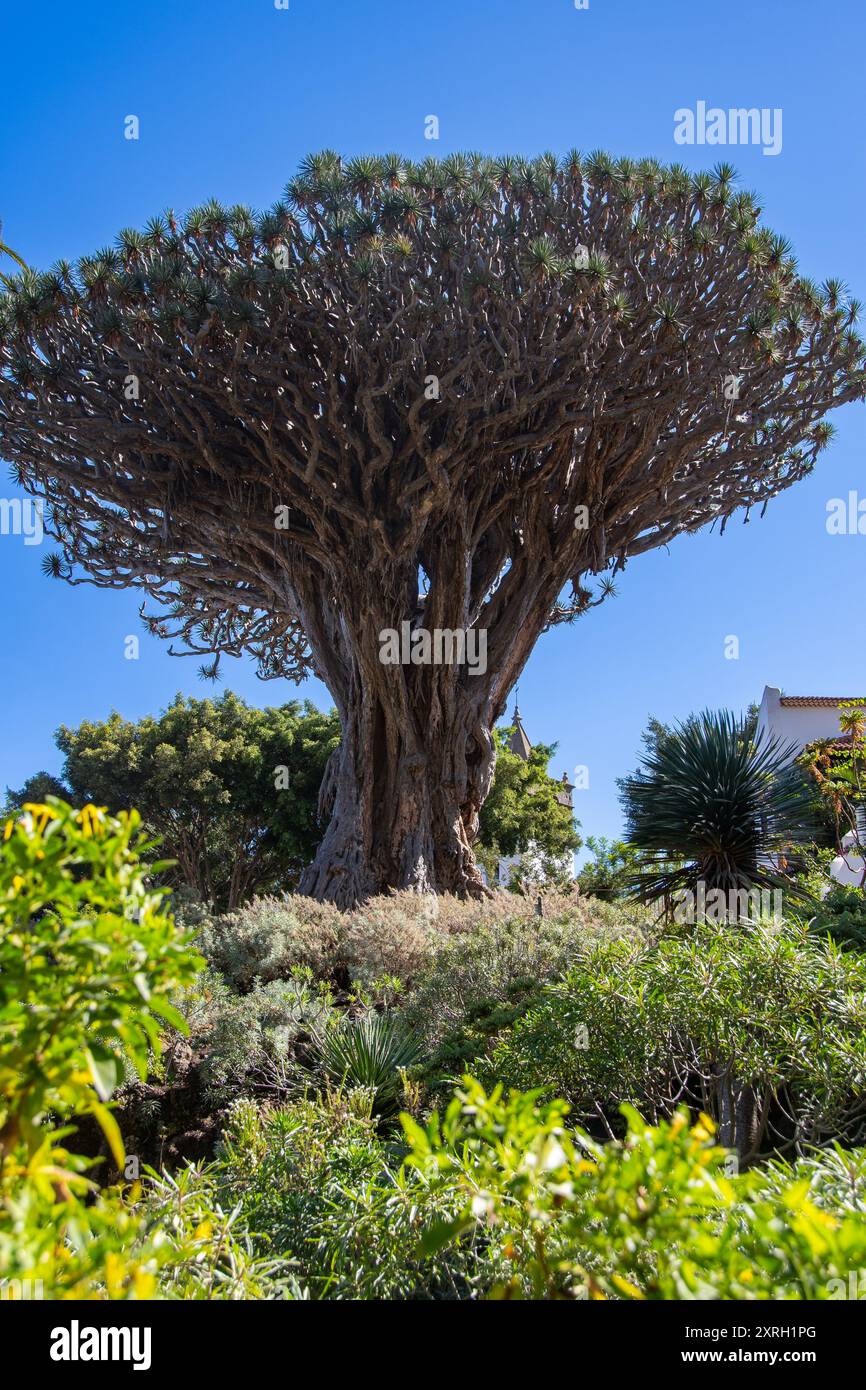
795	725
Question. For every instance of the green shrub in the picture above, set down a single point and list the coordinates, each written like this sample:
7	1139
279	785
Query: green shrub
842	916
88	962
396	936
501	1198
477	983
257	1042
328	1196
763	1029
267	939
653	1217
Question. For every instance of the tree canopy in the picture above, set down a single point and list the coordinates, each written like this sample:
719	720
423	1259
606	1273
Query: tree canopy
230	789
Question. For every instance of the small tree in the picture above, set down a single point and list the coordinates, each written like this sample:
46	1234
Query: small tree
610	873
37	788
230	790
523	813
413	409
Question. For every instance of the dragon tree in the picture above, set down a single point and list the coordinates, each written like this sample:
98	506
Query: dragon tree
453	397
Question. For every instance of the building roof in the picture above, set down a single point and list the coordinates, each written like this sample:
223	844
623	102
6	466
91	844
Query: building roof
816	701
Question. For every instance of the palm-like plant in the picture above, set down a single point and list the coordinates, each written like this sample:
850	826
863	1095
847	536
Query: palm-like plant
13	255
370	1052
713	803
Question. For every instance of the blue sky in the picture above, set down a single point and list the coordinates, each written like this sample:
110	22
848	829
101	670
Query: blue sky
230	96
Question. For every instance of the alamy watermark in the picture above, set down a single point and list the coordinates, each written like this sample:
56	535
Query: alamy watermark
77	1343
846	516
736	905
21	1290
444	646
23	516
737	126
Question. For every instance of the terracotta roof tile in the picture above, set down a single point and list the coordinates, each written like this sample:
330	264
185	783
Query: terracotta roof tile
816	701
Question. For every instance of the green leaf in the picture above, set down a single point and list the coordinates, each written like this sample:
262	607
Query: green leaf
104	1068
169	1013
111	1130
442	1233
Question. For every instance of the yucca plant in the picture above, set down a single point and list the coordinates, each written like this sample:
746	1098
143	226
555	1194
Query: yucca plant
369	1052
713	803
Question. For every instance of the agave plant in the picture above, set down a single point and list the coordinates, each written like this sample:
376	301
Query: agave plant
368	1052
716	804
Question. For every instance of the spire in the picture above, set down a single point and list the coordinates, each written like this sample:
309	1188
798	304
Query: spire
519	743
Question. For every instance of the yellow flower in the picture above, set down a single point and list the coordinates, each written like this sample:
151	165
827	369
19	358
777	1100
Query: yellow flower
90	818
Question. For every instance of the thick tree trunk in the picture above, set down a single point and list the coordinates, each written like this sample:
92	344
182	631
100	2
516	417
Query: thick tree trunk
403	799
402	793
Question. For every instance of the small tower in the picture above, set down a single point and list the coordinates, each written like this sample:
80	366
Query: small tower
564	796
519	743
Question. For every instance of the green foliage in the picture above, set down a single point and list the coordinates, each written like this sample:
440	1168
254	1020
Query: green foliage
268	937
733	1020
711	803
399	935
611	873
36	789
213	1253
205	776
499	1197
88	962
837	771
327	1193
371	1053
842	915
479	982
652	1217
522	812
259	1043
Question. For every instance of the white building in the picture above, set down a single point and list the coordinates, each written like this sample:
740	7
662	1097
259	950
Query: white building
799	719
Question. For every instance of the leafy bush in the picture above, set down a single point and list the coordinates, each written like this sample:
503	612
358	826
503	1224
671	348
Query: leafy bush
328	1196
87	964
477	983
255	1042
396	936
268	938
842	916
736	1021
836	1178
653	1217
499	1197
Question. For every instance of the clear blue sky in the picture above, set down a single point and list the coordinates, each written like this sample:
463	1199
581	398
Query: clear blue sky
231	95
